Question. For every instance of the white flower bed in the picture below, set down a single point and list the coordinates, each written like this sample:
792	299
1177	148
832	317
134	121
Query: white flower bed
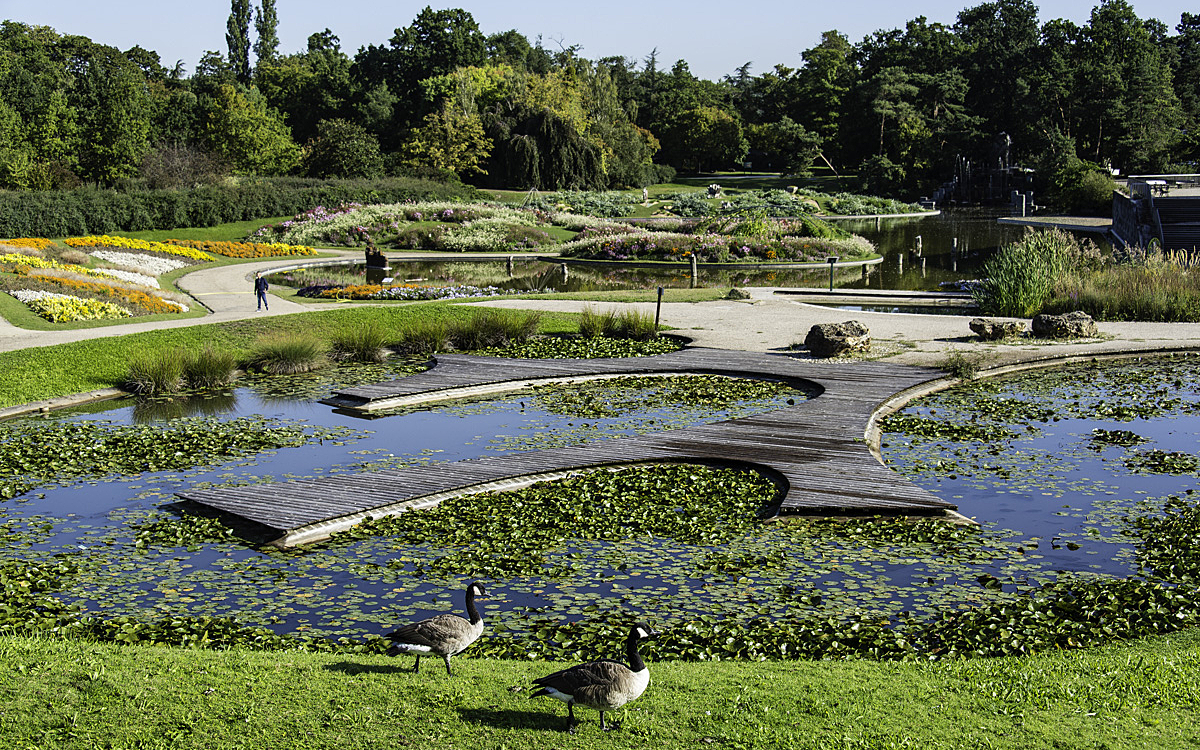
151	265
131	276
32	295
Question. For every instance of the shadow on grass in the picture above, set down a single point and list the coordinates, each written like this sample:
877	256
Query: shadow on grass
353	668
512	719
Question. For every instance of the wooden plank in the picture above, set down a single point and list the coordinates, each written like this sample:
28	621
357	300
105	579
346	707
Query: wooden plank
815	445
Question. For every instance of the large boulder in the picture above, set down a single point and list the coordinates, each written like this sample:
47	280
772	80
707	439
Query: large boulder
833	339
736	293
990	329
1072	325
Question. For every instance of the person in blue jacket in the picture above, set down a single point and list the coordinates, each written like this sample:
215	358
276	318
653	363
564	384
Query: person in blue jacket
260	291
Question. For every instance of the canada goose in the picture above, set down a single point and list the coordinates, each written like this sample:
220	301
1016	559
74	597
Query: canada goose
603	685
444	635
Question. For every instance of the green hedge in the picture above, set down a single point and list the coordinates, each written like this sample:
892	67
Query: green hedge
95	211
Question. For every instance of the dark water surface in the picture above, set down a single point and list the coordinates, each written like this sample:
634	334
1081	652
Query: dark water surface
1051	499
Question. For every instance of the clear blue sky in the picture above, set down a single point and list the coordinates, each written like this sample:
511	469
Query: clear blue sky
714	37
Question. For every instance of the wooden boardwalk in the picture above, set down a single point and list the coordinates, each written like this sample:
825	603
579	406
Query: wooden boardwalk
814	450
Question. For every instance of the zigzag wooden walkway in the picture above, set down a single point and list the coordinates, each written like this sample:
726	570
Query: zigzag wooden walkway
814	450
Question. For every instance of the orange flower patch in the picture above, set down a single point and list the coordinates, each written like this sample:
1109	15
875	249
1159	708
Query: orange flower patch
354	291
245	249
148	303
36	243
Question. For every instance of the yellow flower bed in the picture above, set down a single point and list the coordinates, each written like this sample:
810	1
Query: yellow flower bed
37	243
69	309
12	263
132	244
246	249
149	302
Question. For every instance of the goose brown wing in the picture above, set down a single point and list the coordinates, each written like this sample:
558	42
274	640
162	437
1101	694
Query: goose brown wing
570	680
432	632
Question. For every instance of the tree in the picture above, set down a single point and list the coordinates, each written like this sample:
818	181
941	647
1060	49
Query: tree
449	139
237	39
434	44
266	25
311	86
786	144
342	149
247	135
704	136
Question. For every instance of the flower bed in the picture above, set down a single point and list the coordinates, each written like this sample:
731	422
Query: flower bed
713	248
65	308
150	265
13	263
132	244
34	243
398	292
137	301
429	226
245	249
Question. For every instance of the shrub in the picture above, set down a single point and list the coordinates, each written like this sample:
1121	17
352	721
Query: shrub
208	368
155	372
287	354
91	210
365	342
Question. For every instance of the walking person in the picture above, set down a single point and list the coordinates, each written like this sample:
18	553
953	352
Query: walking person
260	291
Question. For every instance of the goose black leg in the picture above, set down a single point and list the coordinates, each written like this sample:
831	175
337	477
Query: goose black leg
417	666
572	725
447	660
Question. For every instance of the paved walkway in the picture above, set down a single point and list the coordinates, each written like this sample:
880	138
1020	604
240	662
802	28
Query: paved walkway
767	322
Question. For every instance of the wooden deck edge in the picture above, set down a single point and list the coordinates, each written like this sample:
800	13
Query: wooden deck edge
322	530
500	386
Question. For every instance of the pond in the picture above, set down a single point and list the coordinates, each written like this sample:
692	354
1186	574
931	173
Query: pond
1051	463
976	231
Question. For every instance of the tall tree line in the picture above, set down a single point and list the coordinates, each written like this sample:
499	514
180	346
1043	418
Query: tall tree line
440	96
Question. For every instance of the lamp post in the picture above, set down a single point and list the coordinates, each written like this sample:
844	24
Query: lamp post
831	260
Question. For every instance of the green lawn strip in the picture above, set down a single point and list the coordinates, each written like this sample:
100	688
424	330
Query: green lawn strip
46	372
73	694
705	294
236	231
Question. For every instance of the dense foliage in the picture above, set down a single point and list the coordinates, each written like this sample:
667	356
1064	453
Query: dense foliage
85	211
441	96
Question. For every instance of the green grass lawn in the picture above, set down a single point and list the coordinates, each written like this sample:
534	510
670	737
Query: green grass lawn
46	372
233	232
67	694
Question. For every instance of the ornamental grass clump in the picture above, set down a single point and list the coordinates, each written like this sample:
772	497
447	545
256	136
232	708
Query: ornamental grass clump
423	337
366	342
155	372
490	328
208	368
287	354
636	325
595	324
